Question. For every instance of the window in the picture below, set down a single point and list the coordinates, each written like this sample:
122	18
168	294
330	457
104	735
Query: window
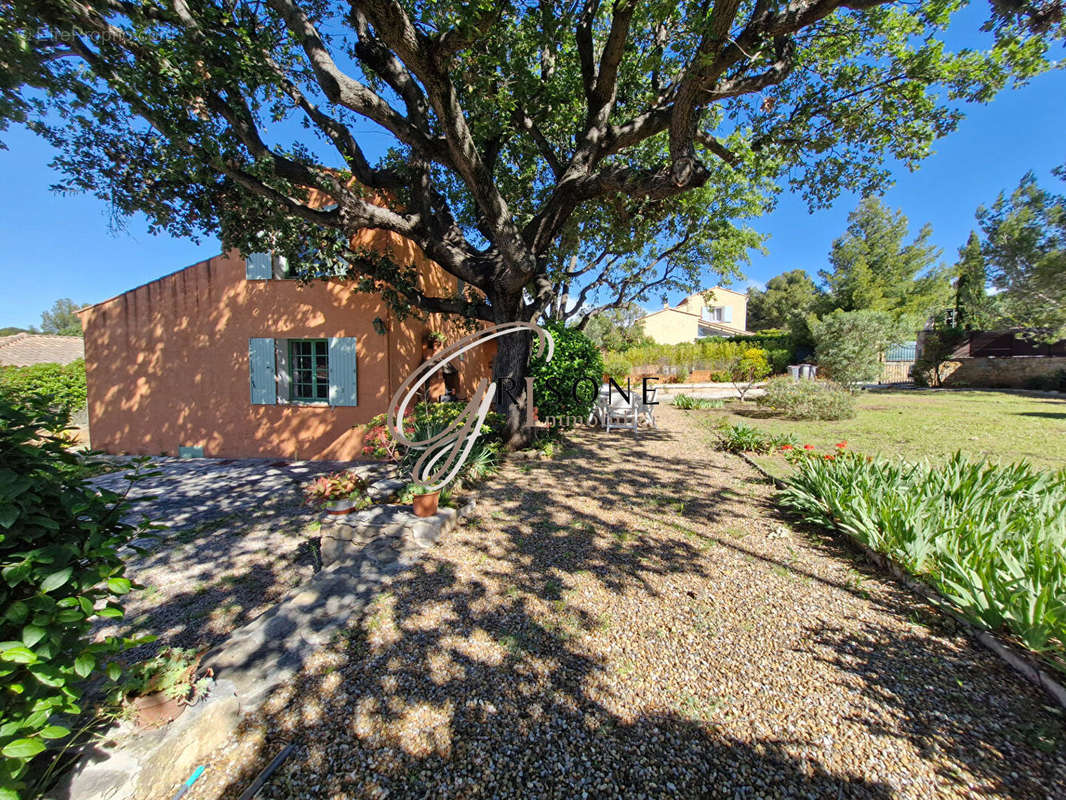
309	368
712	314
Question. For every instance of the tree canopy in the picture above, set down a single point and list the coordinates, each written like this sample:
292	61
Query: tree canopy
788	299
1025	249
520	134
872	268
975	309
61	319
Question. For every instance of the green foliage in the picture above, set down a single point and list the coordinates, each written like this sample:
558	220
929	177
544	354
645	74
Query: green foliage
61	319
849	344
937	347
62	386
807	399
974	308
787	300
989	538
1025	249
748	366
618	329
617	365
741	438
872	268
379	443
346	484
433	419
11	331
688	403
61	570
1055	382
171	671
575	359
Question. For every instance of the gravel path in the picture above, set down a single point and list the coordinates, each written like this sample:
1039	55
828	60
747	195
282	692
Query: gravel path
633	620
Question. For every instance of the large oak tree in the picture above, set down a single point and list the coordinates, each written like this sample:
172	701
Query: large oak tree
517	128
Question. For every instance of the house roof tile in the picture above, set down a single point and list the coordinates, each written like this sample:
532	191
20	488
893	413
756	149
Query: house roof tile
24	349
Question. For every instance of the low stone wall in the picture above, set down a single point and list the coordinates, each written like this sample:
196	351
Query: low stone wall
1000	373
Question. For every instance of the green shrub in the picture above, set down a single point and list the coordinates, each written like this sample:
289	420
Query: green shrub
575	359
989	538
849	344
807	399
617	366
687	403
62	386
59	543
741	438
379	443
1054	382
747	367
779	360
720	376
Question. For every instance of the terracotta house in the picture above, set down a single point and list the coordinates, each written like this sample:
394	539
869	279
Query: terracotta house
696	317
232	358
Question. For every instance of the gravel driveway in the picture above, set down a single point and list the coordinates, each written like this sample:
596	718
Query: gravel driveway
633	620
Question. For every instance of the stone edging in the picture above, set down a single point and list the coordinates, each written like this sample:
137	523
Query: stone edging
1017	660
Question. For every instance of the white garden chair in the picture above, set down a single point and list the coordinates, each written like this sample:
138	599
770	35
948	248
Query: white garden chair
620	413
647	410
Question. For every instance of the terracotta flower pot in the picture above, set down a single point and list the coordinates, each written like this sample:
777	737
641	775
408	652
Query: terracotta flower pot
156	709
339	507
425	505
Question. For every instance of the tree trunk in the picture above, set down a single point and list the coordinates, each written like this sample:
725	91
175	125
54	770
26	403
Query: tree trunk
509	369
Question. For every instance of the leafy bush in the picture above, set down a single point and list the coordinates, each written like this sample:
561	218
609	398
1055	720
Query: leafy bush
849	344
1055	382
747	367
59	543
781	343
988	537
720	376
617	366
937	347
779	360
807	399
741	438
343	485
575	359
62	386
482	460
687	403
379	443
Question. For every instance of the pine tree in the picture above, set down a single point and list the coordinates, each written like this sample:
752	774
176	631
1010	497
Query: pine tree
974	309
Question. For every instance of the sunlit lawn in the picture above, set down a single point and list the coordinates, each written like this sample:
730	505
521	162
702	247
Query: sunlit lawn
932	424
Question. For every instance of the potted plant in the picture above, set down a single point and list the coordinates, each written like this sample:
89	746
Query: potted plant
339	492
423	499
157	691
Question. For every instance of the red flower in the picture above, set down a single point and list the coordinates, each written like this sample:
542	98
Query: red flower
808	447
829	457
841	445
786	447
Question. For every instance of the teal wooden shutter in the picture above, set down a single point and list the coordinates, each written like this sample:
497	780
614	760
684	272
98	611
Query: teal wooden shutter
258	267
343	386
727	314
261	372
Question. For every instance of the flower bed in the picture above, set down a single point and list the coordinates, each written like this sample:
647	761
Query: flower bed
989	538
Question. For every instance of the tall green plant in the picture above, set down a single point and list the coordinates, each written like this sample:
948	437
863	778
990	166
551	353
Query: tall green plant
849	344
991	538
576	364
61	571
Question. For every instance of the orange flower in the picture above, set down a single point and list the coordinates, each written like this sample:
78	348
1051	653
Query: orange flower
841	445
786	447
808	447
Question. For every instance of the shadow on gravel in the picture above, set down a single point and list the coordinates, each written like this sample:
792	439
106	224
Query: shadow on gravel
477	685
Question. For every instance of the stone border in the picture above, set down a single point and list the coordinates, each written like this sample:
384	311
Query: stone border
1018	660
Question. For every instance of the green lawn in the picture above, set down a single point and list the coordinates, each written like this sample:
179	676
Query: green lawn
915	424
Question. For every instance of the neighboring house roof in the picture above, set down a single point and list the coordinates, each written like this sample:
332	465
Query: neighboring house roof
725	329
25	349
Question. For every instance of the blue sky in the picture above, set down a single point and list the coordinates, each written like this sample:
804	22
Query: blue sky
54	246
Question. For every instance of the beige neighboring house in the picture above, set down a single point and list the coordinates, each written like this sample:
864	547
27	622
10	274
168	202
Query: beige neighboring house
26	349
723	313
